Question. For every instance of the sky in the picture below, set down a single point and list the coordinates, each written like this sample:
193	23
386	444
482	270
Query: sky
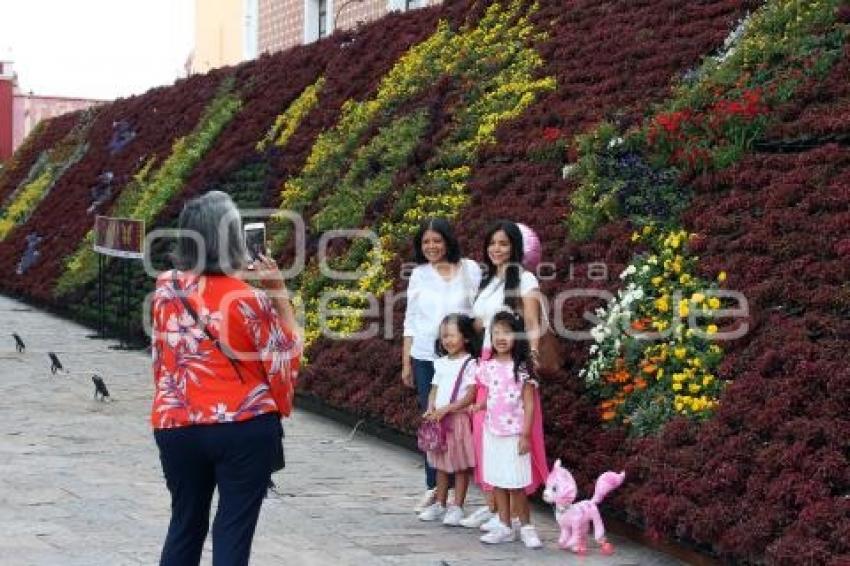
101	49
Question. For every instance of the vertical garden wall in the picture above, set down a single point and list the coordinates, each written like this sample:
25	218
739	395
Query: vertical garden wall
691	149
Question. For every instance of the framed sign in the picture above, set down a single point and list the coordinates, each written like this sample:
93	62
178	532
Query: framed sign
119	237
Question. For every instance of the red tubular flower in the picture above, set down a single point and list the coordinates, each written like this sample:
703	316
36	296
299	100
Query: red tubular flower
551	134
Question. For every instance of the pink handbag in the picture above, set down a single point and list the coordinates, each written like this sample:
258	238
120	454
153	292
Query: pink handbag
431	435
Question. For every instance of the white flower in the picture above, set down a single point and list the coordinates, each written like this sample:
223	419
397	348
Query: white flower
644	269
630	270
614	142
593	349
568	170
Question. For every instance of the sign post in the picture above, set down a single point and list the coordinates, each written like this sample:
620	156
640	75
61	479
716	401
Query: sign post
121	238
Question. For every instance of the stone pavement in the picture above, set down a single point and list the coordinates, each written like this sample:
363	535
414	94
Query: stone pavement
80	482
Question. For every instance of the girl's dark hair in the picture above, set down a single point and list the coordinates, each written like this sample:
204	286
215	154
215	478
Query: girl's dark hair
471	339
521	352
513	271
442	227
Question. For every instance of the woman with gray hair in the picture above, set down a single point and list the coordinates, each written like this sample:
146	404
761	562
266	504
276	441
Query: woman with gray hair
225	359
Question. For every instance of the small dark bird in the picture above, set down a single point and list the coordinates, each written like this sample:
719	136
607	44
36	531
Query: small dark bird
19	342
100	388
55	364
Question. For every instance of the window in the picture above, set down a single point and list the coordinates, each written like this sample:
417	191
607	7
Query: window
323	18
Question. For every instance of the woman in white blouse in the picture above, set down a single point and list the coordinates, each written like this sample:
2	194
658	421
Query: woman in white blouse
506	284
443	283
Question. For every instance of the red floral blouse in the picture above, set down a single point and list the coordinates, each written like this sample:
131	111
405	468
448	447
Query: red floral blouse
195	381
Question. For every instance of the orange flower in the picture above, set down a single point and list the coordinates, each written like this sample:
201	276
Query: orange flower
641	324
649	368
640	383
605	405
608	415
629	388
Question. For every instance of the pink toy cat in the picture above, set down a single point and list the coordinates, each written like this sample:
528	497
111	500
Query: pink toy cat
575	519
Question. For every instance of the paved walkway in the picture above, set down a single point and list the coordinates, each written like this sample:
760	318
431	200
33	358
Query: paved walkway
80	482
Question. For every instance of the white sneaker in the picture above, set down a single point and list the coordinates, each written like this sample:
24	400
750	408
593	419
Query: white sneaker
432	513
453	517
477	518
491	524
499	535
529	537
428	499
495	522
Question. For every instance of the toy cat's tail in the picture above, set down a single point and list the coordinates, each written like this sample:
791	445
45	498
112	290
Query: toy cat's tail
607	482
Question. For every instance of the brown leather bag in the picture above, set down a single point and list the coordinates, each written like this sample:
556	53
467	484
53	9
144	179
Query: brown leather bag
550	348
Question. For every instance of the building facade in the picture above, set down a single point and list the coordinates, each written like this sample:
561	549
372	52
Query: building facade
20	112
286	23
225	33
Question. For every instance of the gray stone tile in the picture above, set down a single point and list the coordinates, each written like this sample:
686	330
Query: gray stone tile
80	482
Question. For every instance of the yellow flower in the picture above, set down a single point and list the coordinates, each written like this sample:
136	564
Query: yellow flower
673	241
678	377
685	279
707	380
635	236
689	333
711	329
697	297
721	276
715	349
714	303
662	304
694	388
660	373
680	406
696	362
683	308
681	352
656	281
647	230
677	387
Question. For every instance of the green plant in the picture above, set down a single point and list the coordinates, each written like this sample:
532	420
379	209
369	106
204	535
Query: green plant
149	191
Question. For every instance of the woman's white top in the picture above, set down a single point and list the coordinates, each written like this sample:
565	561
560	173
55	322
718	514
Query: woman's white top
446	372
491	300
430	298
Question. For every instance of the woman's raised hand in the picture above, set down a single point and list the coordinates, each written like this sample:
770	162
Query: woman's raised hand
267	274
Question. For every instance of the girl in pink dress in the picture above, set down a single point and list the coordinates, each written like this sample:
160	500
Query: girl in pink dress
509	416
452	392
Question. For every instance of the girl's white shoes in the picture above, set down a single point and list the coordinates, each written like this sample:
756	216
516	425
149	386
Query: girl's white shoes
496	532
499	534
453	516
527	533
477	518
428	499
434	512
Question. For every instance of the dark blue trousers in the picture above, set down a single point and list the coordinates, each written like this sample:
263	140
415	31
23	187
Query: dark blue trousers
236	458
423	373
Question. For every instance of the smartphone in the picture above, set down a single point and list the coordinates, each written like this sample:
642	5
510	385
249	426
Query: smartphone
255	239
